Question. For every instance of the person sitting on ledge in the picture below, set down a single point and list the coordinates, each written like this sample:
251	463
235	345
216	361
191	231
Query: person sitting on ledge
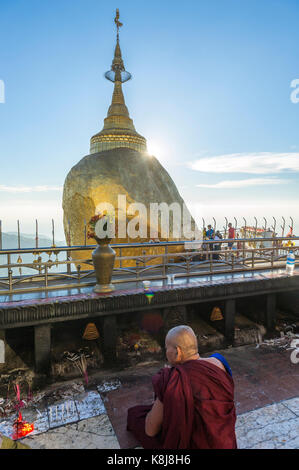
194	400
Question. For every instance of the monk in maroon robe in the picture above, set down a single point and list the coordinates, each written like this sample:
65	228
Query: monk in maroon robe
194	400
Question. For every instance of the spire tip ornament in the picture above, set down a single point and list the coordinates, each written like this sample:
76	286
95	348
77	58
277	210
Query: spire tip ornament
117	73
119	130
117	22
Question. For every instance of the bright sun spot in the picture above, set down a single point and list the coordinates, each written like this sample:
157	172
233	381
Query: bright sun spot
157	149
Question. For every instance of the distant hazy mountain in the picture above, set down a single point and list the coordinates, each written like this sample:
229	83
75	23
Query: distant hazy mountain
10	241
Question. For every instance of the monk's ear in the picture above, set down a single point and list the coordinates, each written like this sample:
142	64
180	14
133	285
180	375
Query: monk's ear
179	354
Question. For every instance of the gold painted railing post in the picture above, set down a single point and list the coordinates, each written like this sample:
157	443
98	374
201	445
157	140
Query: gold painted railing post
46	275
10	280
211	259
8	264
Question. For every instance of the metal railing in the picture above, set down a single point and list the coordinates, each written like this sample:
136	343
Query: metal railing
245	230
156	261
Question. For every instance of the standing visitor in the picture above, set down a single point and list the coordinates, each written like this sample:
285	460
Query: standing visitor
210	236
217	246
231	234
210	232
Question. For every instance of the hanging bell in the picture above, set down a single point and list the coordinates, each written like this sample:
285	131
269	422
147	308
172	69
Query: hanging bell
91	332
19	261
216	314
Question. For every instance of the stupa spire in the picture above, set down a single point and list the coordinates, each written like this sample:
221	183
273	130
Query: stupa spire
119	130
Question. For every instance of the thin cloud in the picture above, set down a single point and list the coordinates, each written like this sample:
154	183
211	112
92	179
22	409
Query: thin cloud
255	163
28	189
243	183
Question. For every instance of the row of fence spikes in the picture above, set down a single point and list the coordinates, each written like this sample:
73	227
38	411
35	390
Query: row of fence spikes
273	227
37	237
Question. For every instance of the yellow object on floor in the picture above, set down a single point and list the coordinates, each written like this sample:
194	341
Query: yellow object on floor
7	443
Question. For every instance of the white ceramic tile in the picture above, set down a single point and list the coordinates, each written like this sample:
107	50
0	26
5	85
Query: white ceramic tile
263	416
6	426
39	416
62	413
293	405
89	404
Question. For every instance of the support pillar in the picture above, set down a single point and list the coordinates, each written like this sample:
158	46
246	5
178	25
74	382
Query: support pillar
271	311
229	320
8	357
2	349
109	331
42	348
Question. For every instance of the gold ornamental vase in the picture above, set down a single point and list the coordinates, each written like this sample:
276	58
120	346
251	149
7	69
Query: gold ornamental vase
103	260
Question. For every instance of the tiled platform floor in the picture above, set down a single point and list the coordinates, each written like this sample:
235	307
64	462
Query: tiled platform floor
266	396
78	421
262	377
271	427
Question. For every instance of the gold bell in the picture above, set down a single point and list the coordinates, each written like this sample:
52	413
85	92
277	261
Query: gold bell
216	314
91	332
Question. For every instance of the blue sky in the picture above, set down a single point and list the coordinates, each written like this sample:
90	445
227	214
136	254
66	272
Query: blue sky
210	92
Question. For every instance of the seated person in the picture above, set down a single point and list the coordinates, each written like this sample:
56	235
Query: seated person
194	400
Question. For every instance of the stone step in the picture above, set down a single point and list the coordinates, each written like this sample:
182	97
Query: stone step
209	338
247	331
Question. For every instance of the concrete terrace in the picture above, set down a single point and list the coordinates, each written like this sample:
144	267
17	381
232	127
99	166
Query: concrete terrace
266	396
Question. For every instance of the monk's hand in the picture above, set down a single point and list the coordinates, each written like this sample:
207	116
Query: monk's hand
167	366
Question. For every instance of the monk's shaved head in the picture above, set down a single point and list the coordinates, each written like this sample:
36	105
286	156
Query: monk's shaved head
184	337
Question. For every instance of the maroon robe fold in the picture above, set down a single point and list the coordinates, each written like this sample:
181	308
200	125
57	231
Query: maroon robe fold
199	410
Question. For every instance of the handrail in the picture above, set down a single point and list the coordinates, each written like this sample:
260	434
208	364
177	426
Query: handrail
141	245
198	261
